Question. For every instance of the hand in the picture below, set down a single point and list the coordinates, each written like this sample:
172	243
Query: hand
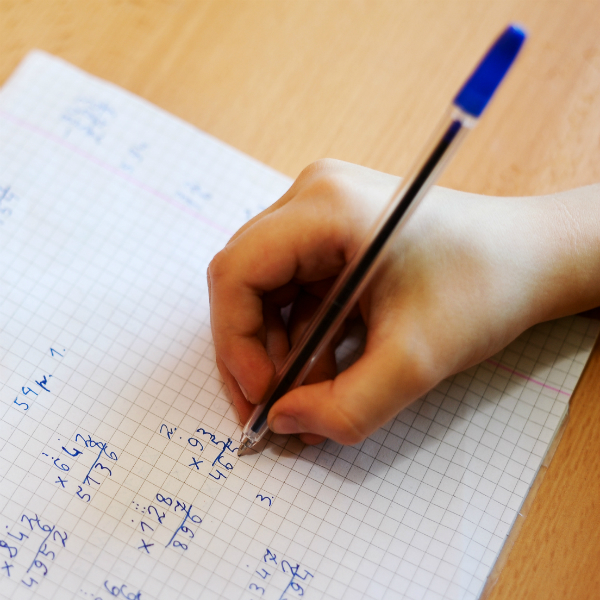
465	276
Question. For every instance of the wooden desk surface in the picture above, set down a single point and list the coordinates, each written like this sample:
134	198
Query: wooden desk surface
290	81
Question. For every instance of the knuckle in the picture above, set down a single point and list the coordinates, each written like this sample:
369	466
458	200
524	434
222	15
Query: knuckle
320	167
326	181
352	427
217	267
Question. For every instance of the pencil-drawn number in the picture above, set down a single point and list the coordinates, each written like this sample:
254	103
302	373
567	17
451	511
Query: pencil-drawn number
21	404
253	586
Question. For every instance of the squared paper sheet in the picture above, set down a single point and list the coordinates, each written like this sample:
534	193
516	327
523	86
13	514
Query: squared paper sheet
117	464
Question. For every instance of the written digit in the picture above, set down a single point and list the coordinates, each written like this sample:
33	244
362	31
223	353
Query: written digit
21	404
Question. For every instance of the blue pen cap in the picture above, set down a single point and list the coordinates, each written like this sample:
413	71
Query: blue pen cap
480	87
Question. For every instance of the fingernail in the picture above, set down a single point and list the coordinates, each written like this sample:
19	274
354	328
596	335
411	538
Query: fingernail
284	424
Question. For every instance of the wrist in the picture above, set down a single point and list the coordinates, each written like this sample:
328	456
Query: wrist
567	235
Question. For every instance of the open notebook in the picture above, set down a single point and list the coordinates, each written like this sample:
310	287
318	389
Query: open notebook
119	477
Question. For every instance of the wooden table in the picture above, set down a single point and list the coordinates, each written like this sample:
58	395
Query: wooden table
290	81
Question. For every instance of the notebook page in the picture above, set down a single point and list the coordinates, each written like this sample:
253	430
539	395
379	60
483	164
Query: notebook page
119	477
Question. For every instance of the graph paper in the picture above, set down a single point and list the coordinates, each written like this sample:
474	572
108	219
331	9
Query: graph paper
119	477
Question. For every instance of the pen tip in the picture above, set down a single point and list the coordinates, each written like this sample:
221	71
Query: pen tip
244	447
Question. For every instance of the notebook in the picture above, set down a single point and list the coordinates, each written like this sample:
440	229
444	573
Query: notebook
119	476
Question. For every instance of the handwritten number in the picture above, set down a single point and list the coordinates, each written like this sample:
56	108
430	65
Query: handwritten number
62	466
177	544
40	565
103	467
256	587
115	590
76	452
28	390
160	519
169	431
62	536
195	442
146	525
12	551
188	530
21	404
44	550
82	495
264	573
168	501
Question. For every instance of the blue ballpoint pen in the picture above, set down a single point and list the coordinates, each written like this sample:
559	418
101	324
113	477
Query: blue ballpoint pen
467	107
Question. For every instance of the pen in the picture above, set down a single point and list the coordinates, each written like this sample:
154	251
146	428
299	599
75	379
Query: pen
466	108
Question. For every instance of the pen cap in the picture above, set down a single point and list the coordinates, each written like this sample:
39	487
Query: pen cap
480	87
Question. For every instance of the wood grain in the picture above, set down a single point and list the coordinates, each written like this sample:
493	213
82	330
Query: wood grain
290	81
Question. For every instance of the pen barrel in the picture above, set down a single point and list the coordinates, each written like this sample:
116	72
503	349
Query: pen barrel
360	269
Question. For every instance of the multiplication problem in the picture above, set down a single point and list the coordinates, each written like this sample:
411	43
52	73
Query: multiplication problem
8	203
92	478
113	590
277	578
90	117
208	449
27	532
181	536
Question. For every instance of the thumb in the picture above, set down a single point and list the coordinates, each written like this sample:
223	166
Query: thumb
357	402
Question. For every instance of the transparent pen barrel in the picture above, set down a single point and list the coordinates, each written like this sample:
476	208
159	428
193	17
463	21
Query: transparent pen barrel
360	269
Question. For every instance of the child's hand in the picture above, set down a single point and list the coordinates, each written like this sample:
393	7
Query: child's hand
465	276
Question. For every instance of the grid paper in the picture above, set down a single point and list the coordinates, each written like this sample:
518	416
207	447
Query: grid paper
118	471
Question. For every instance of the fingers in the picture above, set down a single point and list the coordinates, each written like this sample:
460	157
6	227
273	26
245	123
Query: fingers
309	247
361	399
303	240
